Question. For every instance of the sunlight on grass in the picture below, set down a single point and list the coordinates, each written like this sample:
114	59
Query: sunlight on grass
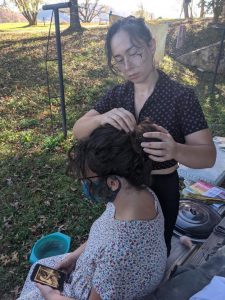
21	27
41	27
178	71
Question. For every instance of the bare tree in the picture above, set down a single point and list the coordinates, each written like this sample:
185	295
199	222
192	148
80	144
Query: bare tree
88	10
74	17
201	4
29	9
223	11
186	8
215	6
141	12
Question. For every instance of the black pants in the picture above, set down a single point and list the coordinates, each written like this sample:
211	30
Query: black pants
166	188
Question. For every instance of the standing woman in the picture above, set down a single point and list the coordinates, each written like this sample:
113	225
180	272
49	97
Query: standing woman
180	125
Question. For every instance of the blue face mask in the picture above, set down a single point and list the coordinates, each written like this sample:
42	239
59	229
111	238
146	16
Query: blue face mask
98	191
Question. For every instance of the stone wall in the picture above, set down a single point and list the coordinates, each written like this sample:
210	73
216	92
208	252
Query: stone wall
205	58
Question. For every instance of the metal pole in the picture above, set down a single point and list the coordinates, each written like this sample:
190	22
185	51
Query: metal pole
60	70
55	8
218	62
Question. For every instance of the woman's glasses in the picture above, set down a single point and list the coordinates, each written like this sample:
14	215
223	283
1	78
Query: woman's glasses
88	180
134	57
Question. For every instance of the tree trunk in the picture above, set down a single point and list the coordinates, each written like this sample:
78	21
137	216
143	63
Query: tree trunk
202	8
33	22
216	11
191	9
31	18
74	16
186	12
223	11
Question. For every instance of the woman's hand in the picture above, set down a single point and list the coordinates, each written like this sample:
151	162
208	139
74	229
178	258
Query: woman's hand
119	118
68	264
161	151
47	292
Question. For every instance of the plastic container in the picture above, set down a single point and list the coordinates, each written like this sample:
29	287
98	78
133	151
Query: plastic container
50	245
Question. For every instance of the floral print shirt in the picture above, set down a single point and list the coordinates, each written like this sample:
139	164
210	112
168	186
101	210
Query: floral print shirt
121	260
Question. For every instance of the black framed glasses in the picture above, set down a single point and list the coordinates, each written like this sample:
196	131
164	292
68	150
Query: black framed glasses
88	181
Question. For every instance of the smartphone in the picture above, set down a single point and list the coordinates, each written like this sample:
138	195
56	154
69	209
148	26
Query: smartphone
48	276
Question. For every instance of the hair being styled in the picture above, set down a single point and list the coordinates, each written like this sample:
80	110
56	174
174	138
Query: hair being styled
109	151
136	29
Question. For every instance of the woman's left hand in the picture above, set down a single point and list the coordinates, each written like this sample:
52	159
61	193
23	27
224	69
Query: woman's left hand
47	292
163	150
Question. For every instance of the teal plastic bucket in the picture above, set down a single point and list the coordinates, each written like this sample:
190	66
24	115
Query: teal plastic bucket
50	245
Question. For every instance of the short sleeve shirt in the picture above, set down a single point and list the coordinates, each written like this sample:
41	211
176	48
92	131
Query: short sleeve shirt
171	105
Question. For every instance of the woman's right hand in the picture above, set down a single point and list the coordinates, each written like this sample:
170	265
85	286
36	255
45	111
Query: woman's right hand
119	118
68	264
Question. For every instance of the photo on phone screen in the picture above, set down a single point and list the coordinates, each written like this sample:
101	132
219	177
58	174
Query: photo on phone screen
48	276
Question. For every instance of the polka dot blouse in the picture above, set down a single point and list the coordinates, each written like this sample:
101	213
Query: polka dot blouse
171	105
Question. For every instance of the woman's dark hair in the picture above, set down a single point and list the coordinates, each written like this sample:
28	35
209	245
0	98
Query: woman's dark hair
136	29
109	151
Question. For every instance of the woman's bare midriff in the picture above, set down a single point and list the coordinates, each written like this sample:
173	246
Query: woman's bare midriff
165	171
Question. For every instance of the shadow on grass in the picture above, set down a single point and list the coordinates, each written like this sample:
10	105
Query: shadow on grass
23	64
37	198
23	59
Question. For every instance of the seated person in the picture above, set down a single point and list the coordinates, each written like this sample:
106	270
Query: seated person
125	254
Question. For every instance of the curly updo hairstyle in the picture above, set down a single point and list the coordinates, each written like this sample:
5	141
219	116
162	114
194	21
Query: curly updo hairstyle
109	151
137	30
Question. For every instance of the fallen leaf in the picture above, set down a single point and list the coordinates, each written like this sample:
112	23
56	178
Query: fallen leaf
15	257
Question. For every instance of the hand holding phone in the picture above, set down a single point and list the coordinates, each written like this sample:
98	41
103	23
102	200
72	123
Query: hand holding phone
67	265
48	276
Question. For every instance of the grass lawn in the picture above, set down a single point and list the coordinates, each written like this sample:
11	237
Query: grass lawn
40	27
36	196
22	26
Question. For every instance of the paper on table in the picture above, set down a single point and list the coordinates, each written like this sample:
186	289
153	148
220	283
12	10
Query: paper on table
214	175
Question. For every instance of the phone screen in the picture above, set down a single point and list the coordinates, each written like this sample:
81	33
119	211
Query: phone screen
48	276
